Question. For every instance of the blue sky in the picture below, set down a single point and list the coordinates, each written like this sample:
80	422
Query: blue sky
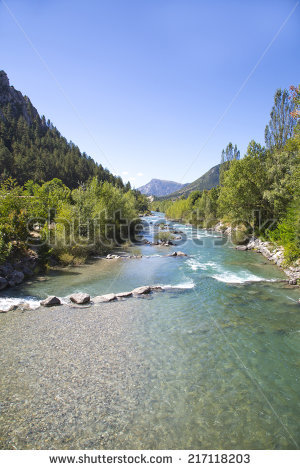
140	84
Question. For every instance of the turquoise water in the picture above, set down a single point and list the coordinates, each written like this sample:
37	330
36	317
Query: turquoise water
211	363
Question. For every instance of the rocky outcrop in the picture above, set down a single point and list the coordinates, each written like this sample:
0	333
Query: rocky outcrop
14	273
20	105
14	278
51	301
80	298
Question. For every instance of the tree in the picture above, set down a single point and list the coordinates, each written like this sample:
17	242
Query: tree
282	123
228	155
243	186
295	98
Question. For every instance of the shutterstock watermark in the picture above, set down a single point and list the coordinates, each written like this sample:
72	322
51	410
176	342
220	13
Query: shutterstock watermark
114	230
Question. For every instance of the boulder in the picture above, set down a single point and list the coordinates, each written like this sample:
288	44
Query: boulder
3	283
123	294
141	290
50	301
180	253
177	253
16	277
241	248
27	271
6	269
80	298
157	288
104	298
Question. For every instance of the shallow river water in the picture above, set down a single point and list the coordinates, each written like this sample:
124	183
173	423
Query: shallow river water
210	363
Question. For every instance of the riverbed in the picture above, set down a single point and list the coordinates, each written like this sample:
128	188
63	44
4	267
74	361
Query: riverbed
212	362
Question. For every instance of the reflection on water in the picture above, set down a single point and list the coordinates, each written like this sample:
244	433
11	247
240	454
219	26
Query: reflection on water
167	371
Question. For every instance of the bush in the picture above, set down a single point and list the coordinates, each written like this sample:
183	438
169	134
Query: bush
5	248
164	237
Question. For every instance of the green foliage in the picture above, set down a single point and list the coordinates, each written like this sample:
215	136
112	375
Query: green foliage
264	182
282	122
69	225
5	248
164	237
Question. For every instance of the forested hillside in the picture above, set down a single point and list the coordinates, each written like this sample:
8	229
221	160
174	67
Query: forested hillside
209	180
32	148
55	200
259	192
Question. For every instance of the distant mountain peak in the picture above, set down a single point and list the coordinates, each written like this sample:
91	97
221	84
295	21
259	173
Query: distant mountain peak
209	180
157	187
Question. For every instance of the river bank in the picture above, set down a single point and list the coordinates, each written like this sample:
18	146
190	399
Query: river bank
274	254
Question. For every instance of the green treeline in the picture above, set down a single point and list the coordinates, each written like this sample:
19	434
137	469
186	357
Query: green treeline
63	224
259	193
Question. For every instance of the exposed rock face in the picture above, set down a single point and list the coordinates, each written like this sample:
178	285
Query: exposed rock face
20	104
51	301
80	298
157	187
141	290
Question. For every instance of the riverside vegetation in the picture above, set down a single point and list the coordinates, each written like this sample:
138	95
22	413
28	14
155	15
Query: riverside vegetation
258	195
53	198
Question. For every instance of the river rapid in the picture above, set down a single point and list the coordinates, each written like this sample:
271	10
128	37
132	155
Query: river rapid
210	363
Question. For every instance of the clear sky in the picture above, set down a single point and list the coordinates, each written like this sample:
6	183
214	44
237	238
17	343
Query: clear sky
140	84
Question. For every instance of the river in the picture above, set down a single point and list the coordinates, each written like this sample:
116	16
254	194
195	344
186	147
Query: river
210	363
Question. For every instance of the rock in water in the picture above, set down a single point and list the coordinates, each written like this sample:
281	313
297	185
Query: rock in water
124	294
80	298
104	298
50	301
180	253
141	290
241	248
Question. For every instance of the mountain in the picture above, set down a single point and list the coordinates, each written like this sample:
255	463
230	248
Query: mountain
32	148
209	180
158	188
